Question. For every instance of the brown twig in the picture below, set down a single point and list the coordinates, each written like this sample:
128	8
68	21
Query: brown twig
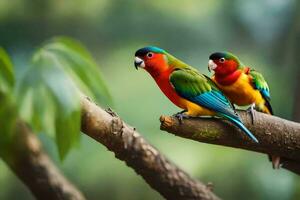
128	145
276	136
33	166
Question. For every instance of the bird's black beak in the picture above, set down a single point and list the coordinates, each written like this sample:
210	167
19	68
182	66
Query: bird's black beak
138	62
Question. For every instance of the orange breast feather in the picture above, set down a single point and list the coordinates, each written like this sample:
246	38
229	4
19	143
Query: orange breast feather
192	108
241	92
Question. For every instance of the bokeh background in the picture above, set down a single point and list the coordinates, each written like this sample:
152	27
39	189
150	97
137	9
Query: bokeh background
263	33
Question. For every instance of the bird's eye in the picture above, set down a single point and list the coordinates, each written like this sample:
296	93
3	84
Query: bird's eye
149	55
222	60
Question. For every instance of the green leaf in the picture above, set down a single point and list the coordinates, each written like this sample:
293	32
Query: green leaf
67	141
87	73
8	113
51	88
6	72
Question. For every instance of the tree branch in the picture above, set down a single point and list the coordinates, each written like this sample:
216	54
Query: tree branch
33	166
276	136
128	145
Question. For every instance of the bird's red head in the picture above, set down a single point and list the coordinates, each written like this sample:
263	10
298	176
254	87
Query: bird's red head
223	64
152	59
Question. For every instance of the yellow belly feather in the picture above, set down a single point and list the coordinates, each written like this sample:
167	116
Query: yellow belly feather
242	93
195	110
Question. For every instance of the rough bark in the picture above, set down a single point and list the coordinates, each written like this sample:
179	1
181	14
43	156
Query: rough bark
32	165
128	145
276	136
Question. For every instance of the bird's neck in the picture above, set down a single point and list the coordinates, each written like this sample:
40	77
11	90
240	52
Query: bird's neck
228	79
163	71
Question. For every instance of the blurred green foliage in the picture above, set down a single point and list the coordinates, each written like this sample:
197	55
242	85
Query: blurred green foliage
48	94
7	110
263	33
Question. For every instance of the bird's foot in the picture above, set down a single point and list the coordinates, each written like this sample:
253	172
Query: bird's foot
251	111
275	162
183	111
233	106
181	115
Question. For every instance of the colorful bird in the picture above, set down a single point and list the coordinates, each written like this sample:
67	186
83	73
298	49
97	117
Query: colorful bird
187	88
242	85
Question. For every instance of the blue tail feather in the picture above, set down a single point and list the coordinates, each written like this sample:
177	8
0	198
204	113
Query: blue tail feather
239	124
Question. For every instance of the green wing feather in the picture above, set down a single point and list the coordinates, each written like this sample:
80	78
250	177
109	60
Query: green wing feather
260	83
190	82
199	89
